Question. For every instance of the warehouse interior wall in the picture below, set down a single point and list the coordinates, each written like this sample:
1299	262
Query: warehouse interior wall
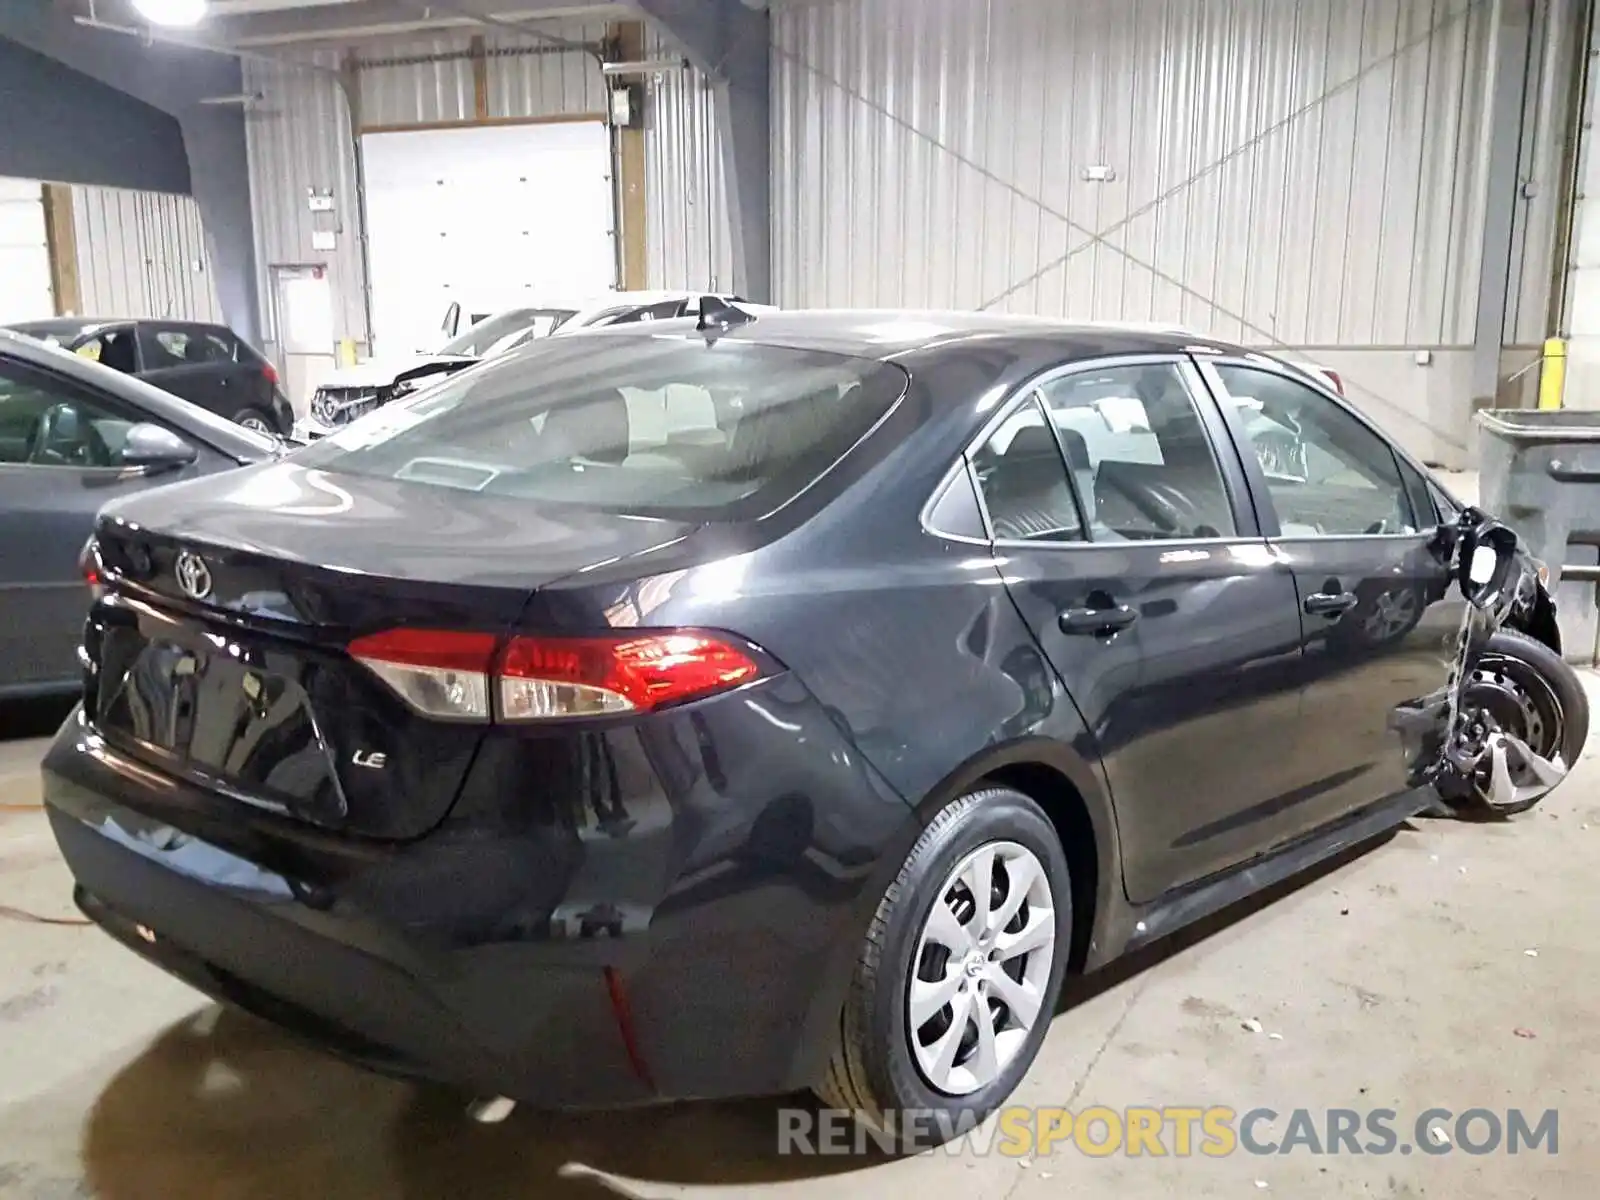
1306	174
174	81
301	136
142	254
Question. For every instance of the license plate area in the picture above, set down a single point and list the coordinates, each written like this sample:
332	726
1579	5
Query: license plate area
229	716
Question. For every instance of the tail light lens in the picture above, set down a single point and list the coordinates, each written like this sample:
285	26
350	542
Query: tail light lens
579	677
450	675
269	373
439	673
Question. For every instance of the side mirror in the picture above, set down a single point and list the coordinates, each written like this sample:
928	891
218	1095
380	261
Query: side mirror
1485	556
155	448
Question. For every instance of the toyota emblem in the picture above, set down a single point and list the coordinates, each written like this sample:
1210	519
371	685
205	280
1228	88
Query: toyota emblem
194	577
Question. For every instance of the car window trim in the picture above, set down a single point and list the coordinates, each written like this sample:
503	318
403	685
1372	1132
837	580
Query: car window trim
947	481
1235	482
1266	512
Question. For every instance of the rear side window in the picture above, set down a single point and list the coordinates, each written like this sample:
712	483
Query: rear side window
184	346
1143	462
1024	482
652	426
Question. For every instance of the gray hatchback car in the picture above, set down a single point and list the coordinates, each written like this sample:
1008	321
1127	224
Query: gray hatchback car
74	435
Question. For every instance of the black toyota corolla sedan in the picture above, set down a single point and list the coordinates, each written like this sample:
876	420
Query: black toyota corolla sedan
690	711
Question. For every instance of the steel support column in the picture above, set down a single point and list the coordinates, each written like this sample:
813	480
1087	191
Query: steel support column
1500	153
730	42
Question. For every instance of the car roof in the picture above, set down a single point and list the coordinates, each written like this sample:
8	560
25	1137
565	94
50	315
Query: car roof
72	325
889	333
217	432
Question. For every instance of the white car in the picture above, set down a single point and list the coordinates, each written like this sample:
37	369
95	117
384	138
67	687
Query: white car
354	391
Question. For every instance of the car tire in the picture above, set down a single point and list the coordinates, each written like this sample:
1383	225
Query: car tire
1555	716
256	420
882	1069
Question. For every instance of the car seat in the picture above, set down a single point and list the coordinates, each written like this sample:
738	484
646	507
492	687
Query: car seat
1026	489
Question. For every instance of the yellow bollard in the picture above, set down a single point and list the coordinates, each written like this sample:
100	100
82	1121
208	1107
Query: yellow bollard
1553	375
347	352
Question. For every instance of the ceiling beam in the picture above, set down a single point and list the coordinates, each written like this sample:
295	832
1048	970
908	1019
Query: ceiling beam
355	20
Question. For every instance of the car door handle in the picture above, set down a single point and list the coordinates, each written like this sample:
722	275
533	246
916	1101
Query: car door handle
1330	604
1097	621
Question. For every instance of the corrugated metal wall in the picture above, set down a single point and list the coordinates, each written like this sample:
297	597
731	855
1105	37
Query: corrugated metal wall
300	140
690	239
1295	171
142	254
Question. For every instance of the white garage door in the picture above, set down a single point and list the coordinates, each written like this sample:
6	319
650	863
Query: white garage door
489	217
24	253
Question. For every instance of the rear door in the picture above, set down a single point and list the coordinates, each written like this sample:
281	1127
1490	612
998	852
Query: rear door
58	464
196	363
1144	577
1356	524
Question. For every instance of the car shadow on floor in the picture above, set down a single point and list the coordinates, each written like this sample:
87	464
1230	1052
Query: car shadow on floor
223	1105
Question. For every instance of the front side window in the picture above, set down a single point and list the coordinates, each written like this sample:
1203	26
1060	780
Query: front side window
648	426
45	424
1327	473
1140	454
112	348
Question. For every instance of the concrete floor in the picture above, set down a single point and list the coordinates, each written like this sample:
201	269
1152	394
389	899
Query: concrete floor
1398	978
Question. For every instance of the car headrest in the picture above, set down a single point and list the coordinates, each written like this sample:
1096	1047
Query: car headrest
1032	441
1076	447
595	428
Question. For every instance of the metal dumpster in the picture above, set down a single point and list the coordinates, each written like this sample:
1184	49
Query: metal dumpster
1539	471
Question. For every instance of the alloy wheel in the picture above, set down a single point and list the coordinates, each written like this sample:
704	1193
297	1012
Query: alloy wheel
981	972
256	425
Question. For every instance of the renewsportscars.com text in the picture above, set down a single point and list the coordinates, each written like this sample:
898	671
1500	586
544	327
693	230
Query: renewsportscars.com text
1177	1131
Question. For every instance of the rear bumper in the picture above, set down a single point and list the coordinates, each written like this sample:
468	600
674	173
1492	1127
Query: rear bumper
544	1033
667	963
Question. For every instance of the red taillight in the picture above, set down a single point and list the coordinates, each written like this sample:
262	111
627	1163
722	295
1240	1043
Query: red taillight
450	675
571	677
269	373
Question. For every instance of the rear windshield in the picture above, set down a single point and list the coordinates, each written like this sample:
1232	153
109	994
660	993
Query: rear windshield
657	426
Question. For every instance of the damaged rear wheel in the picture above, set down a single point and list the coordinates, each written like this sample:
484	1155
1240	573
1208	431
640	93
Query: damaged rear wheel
1525	718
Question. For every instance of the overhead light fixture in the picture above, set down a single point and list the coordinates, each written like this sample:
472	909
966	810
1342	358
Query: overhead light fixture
171	12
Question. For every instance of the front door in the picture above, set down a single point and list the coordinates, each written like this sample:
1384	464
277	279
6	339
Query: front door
1356	524
59	446
1173	628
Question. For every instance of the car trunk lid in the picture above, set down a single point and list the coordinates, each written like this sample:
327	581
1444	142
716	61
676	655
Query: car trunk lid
218	650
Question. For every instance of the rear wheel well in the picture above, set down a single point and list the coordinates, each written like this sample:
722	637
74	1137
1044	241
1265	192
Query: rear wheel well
1053	792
